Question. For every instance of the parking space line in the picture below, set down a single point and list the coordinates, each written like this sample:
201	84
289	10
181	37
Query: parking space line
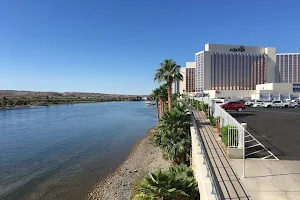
278	112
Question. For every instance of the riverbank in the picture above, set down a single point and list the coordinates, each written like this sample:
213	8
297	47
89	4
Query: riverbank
143	159
15	107
44	105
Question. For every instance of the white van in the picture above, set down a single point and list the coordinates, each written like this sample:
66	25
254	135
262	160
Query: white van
219	101
252	102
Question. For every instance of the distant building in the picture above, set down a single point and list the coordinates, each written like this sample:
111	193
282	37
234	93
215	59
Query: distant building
234	67
188	83
288	67
176	88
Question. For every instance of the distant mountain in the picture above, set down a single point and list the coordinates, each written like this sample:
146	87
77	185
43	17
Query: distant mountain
14	93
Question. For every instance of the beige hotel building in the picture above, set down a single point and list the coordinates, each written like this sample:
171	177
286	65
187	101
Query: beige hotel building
288	67
234	67
188	83
240	71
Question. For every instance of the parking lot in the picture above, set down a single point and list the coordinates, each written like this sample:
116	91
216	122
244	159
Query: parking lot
277	129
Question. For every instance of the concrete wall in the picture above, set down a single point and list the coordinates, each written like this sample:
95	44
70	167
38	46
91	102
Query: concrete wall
275	88
267	86
230	93
271	64
190	64
200	171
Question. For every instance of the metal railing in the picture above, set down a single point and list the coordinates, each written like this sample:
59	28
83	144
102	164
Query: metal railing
235	130
206	100
238	136
216	189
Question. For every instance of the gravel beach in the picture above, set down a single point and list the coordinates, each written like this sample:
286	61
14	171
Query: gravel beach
143	159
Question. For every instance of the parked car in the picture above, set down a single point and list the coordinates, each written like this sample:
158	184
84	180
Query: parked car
265	102
219	101
293	104
253	102
257	104
234	105
276	104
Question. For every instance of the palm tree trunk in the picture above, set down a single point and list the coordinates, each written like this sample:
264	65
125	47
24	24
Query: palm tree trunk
169	94
161	108
157	112
165	106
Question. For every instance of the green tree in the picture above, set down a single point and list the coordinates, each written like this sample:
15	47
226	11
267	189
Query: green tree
174	183
168	72
175	96
163	97
155	96
173	134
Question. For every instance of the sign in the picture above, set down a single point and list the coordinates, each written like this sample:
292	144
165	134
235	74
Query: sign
296	87
240	49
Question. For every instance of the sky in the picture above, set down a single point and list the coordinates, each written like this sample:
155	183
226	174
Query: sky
115	46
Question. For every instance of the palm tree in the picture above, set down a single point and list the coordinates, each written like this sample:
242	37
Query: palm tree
174	183
155	96
177	117
176	146
163	97
173	134
169	71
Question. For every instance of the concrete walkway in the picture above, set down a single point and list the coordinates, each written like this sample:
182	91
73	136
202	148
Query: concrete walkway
270	179
229	182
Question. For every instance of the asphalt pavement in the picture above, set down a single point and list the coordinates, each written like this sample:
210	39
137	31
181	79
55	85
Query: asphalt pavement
276	129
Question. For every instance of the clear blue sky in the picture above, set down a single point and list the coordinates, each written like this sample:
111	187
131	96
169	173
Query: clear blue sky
115	46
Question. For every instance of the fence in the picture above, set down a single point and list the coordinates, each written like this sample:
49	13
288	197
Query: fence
236	130
206	100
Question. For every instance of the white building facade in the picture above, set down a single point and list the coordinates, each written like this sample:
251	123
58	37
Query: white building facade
234	67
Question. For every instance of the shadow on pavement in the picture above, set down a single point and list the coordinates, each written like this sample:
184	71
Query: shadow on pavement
241	114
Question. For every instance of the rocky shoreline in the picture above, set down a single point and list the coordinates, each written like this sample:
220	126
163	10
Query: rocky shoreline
143	159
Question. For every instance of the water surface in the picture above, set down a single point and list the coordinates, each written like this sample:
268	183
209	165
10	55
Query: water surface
60	152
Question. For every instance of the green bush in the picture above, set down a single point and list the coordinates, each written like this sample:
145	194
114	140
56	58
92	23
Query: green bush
177	182
173	134
224	133
212	120
205	106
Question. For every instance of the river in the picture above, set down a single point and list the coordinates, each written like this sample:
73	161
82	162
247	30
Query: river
60	152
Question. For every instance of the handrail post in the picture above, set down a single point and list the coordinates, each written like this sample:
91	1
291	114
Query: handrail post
243	154
212	187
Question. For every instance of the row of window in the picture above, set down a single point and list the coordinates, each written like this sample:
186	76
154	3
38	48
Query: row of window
239	72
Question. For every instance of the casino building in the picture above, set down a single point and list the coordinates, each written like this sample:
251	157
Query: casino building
234	67
229	71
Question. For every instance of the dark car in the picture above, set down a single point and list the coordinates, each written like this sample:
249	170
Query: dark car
234	105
